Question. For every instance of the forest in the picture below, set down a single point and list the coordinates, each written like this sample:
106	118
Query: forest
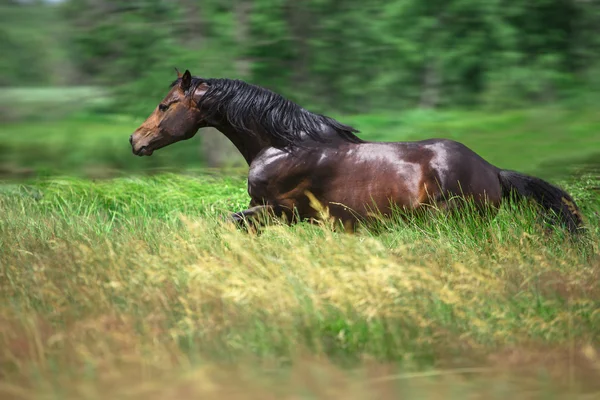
348	56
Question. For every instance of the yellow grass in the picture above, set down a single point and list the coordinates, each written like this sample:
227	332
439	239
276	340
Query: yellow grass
161	307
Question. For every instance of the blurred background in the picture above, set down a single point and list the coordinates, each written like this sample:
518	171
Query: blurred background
517	81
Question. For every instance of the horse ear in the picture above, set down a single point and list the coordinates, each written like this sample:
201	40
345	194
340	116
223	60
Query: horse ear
186	80
178	73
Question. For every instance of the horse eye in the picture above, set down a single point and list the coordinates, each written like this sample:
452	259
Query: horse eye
163	107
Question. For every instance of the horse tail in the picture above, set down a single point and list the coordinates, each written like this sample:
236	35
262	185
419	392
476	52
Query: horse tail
550	197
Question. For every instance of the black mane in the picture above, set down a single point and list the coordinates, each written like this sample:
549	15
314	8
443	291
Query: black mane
243	103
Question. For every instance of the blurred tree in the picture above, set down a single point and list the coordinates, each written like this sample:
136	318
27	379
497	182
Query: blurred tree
26	44
329	55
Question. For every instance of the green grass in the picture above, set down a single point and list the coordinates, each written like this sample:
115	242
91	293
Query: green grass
90	146
546	142
44	104
50	95
134	287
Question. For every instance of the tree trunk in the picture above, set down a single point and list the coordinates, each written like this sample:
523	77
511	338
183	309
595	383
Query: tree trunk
242	33
432	75
298	18
194	33
430	94
217	150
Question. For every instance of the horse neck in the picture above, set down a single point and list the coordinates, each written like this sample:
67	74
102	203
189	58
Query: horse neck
248	145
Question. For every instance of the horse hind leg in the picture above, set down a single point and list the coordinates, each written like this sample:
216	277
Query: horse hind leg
459	208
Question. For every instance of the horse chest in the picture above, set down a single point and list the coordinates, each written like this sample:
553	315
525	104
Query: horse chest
263	170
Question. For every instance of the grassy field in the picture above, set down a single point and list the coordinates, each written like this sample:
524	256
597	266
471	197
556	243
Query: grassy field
134	287
546	142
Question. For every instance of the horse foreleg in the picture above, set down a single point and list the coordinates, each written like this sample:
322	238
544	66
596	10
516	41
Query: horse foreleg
256	215
252	217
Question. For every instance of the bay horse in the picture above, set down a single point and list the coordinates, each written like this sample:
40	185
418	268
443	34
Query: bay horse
295	155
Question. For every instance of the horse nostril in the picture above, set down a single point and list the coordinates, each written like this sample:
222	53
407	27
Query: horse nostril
131	140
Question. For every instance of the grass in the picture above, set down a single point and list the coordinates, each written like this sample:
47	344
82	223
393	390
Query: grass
52	103
51	95
545	142
134	287
87	146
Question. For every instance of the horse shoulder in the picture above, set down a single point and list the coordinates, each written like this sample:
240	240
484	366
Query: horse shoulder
263	165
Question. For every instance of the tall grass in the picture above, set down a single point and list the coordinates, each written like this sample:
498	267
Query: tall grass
137	288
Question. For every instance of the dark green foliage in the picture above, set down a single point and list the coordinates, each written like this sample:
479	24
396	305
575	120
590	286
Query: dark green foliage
349	56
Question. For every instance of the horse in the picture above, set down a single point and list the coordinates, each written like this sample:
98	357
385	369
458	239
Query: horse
296	157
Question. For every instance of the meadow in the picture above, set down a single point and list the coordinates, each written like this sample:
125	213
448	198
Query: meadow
133	286
60	135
